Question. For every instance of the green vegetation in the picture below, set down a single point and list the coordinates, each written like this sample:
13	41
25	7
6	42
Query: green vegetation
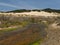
20	10
51	10
36	43
25	10
8	29
7	21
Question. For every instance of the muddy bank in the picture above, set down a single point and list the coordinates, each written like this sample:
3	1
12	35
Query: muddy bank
29	34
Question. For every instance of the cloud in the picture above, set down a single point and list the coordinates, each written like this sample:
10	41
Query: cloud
19	5
9	5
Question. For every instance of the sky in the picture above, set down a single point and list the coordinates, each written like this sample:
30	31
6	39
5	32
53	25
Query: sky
6	5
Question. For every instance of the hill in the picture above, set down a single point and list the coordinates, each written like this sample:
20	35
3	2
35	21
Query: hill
26	10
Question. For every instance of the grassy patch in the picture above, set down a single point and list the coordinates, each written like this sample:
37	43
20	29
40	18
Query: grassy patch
9	29
38	42
6	29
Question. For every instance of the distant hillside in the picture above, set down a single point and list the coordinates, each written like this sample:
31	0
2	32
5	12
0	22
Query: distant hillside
51	10
26	10
23	10
20	10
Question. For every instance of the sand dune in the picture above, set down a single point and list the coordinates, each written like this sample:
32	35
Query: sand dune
35	13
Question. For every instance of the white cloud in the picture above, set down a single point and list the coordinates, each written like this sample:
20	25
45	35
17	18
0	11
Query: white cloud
20	6
9	5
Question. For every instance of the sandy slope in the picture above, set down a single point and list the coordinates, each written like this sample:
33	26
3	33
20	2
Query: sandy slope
42	13
53	36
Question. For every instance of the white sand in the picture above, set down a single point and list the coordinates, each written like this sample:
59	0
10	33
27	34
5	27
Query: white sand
35	13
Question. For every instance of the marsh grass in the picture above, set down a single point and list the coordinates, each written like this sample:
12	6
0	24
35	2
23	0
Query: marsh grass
37	42
8	29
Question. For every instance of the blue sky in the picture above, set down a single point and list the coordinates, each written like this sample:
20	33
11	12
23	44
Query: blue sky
6	5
